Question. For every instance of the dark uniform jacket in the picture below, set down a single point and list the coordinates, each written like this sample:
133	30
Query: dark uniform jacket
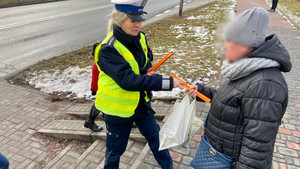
245	113
115	66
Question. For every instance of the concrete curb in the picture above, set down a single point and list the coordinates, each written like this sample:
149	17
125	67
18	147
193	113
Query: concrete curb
64	129
11	75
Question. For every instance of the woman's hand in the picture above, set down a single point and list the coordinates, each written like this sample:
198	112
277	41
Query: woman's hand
178	84
193	92
151	73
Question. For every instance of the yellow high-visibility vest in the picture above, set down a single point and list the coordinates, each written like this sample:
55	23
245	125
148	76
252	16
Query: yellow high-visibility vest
111	99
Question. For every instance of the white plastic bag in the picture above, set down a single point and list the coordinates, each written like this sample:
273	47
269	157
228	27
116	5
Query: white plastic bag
177	128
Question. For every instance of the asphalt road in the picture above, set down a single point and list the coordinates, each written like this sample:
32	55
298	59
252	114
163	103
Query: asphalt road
29	34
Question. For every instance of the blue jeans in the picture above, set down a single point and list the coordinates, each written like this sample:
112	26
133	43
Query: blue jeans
3	162
118	135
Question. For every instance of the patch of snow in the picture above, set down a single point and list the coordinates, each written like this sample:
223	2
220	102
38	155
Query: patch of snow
212	72
199	17
205	80
174	93
179	36
201	33
73	79
179	30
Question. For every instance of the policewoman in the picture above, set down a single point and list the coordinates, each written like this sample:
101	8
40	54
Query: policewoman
124	88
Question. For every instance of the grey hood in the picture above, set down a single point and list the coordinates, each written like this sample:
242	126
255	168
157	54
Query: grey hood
273	49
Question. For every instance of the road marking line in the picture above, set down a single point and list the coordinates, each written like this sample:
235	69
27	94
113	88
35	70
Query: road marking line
167	11
53	17
158	15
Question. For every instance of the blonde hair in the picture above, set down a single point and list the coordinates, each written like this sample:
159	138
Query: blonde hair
117	17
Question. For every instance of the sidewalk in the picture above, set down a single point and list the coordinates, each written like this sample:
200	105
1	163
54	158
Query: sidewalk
22	112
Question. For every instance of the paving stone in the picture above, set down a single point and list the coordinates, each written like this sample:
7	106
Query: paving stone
129	154
297	161
182	166
275	165
279	159
92	158
287	152
134	158
182	150
58	165
24	164
292	167
146	166
18	158
83	164
284	131
32	165
293	139
92	166
193	152
283	137
65	165
139	145
186	160
36	145
197	138
280	144
193	144
150	160
288	160
124	166
282	166
292	145
125	159
175	165
289	126
135	149
296	133
176	156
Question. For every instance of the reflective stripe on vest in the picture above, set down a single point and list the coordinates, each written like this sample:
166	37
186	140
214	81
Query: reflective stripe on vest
111	98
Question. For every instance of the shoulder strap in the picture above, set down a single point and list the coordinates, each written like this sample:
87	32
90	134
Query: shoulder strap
111	41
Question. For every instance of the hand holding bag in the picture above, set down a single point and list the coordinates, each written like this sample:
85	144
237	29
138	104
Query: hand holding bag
177	128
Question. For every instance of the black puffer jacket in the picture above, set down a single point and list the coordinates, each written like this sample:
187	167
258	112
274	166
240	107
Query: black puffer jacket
245	113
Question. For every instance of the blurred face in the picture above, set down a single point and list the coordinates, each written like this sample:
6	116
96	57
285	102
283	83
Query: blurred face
131	27
235	51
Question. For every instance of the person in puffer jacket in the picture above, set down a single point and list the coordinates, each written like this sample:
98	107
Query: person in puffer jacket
246	111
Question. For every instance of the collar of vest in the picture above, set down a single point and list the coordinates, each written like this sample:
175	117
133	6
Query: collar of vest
125	39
